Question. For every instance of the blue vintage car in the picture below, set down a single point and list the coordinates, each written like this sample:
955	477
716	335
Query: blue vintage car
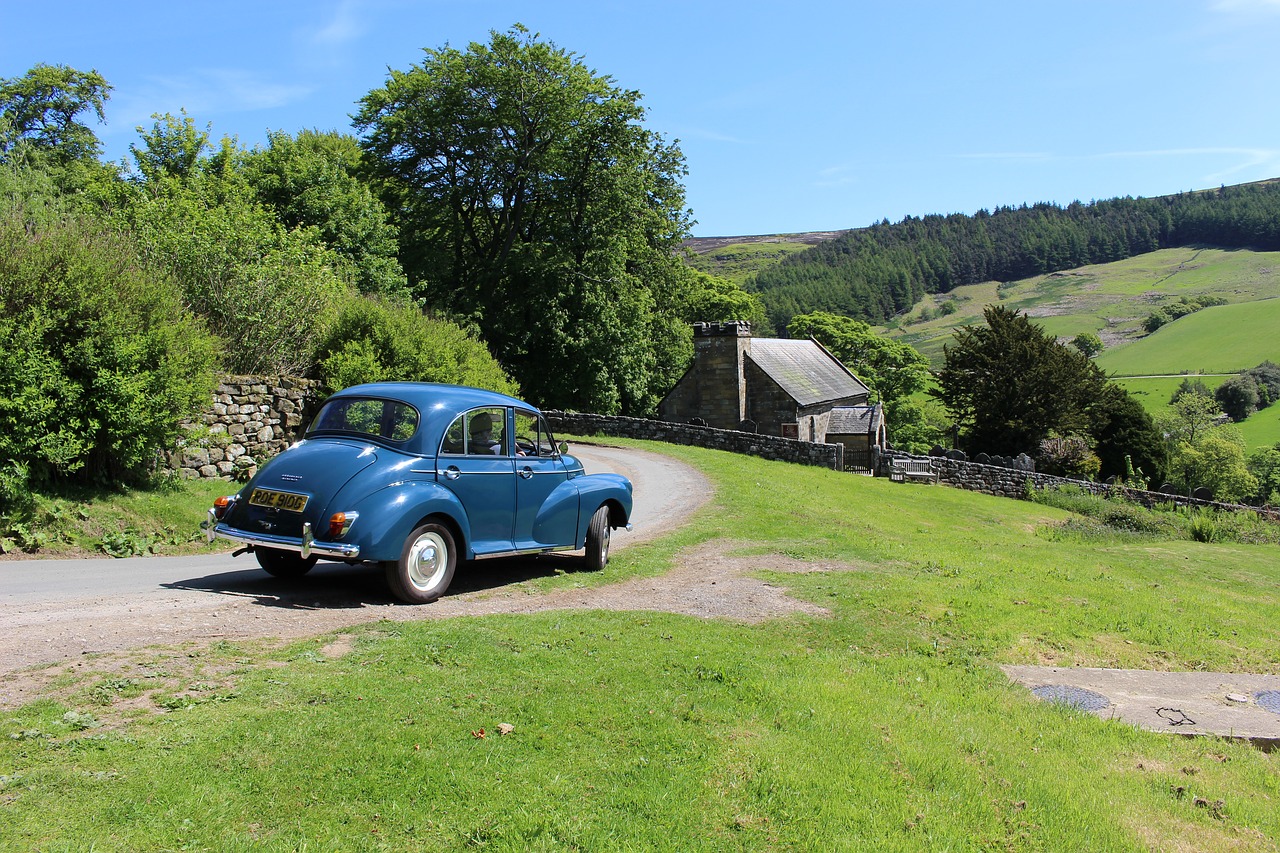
417	476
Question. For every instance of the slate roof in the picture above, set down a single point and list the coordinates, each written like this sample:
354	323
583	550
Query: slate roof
805	370
854	420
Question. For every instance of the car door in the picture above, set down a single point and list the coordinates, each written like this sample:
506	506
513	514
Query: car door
546	509
475	464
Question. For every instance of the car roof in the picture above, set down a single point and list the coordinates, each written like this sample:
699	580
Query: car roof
437	404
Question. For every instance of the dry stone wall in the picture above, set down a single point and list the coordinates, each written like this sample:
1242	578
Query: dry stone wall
249	420
749	443
1012	483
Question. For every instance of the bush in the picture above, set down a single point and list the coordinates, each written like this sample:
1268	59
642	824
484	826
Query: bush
374	340
102	359
266	292
1068	456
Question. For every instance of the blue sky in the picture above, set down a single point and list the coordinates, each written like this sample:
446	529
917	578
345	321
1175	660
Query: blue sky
802	116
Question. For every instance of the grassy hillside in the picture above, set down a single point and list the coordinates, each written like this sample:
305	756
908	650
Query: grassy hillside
880	722
739	258
1112	300
1225	339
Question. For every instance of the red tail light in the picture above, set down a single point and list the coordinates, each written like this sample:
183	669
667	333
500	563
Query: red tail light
220	506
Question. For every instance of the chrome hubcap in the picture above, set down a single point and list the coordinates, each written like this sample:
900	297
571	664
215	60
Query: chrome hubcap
427	561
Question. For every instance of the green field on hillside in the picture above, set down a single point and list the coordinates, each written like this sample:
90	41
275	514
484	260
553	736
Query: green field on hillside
876	720
1225	339
1112	300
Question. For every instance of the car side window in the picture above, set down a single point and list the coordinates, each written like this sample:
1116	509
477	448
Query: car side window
487	432
533	438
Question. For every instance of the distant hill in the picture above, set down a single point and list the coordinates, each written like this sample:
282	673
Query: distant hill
883	271
739	259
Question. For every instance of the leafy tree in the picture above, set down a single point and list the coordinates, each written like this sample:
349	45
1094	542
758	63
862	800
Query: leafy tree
1267	378
532	202
40	114
891	369
1088	343
712	299
1264	464
313	181
1215	460
173	148
1189	417
1009	385
1238	396
1190	386
916	425
266	291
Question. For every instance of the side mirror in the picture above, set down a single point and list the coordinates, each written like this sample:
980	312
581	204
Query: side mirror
563	448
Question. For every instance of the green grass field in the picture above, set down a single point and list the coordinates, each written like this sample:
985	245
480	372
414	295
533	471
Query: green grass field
1113	299
1225	339
883	725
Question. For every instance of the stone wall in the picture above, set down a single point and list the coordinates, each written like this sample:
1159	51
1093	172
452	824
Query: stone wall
249	420
748	443
1012	483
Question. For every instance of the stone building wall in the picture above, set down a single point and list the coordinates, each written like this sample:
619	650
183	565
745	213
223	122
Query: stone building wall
706	390
249	420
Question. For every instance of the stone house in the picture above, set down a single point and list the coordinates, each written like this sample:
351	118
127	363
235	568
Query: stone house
791	388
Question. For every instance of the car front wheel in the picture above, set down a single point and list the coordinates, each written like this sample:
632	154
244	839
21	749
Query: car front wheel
598	532
283	564
426	565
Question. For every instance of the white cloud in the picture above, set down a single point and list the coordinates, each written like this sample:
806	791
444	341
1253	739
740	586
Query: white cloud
346	25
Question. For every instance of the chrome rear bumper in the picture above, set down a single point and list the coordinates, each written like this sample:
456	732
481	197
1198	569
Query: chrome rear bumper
306	546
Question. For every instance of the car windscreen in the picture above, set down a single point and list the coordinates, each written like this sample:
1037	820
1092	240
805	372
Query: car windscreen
367	417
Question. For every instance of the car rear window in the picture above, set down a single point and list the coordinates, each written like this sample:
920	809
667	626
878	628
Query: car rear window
366	417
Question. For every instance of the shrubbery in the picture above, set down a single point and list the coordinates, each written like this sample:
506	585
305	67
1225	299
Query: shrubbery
1113	514
374	340
102	360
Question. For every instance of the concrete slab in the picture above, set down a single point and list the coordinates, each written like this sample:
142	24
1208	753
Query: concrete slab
1220	704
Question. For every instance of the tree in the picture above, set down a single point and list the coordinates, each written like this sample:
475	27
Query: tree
102	360
1238	396
1190	386
39	113
1008	384
1215	460
532	202
313	181
1088	343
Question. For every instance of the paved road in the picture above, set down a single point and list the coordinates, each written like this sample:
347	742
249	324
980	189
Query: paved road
55	610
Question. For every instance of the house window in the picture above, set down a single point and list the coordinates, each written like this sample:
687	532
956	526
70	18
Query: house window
790	430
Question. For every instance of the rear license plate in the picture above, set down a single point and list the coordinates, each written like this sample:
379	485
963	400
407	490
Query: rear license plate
278	500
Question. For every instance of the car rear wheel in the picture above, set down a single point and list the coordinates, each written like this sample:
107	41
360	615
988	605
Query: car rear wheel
283	564
426	565
598	532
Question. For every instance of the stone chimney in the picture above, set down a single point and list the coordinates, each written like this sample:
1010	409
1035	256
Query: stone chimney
719	393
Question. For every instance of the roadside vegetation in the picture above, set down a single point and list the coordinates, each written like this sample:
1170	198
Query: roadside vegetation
884	725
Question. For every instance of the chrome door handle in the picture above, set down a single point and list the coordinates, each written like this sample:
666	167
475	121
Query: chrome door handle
452	472
526	472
